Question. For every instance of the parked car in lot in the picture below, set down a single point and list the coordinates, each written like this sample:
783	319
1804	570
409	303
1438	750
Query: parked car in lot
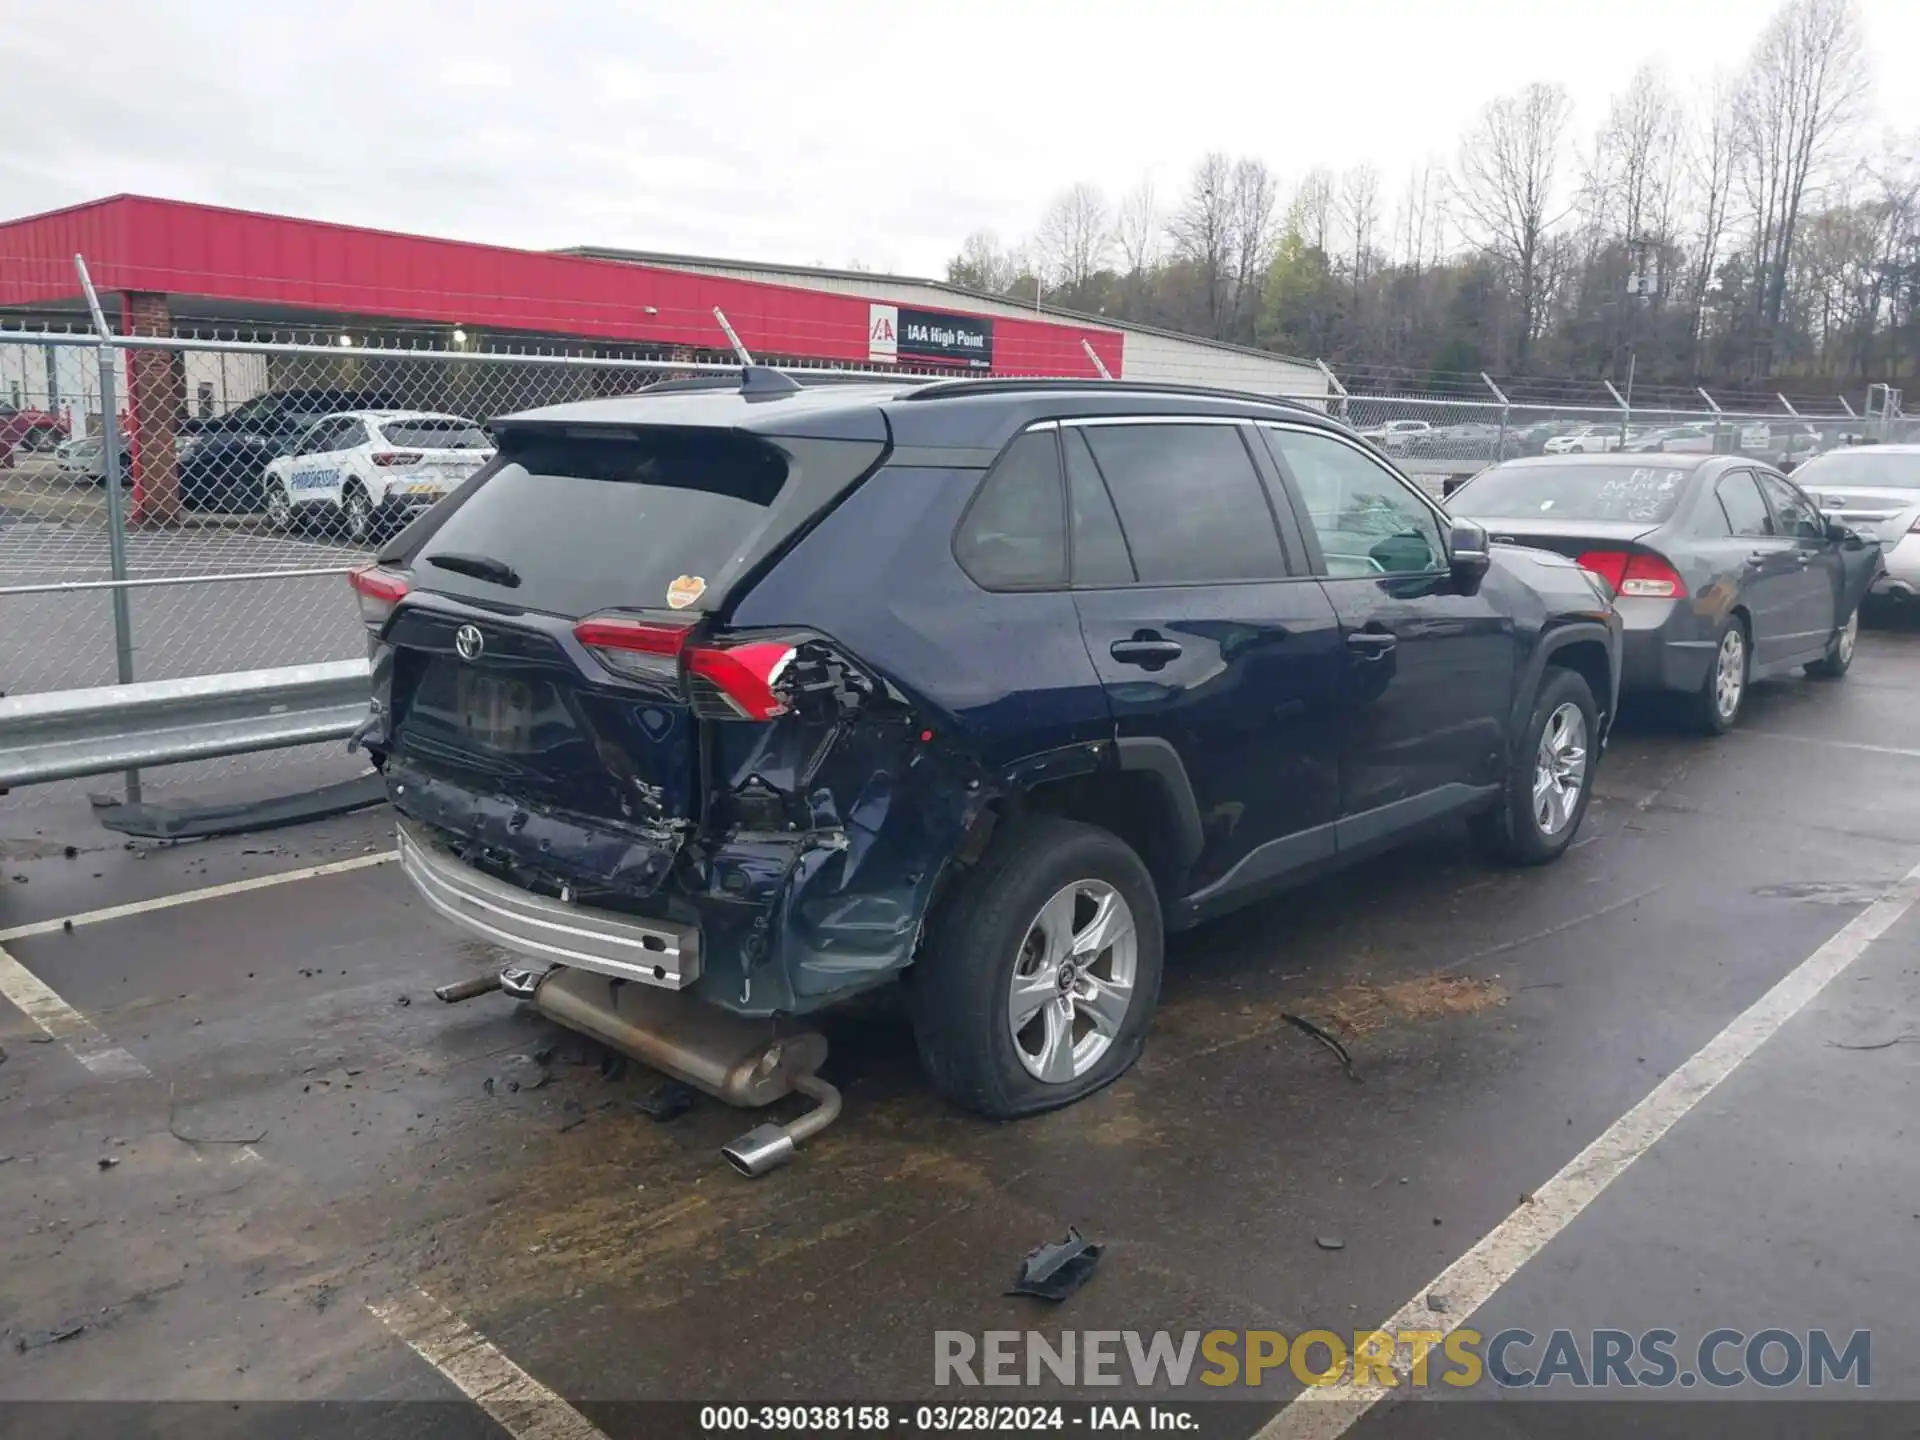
1725	572
30	430
222	459
1471	440
1874	489
1585	440
1672	440
1532	439
655	705
366	471
1395	434
85	459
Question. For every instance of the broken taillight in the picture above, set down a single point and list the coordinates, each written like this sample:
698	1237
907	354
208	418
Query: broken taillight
724	682
378	591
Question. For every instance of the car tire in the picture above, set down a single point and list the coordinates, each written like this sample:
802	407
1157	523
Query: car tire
357	521
279	508
1715	707
1545	798
1839	657
1016	932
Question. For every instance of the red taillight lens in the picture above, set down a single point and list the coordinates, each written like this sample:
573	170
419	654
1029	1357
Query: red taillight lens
1609	565
638	649
731	682
1651	575
741	678
1629	573
397	457
378	591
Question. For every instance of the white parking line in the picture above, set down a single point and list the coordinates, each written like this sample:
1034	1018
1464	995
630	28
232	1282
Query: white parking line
520	1404
1326	1412
1833	744
188	897
64	1023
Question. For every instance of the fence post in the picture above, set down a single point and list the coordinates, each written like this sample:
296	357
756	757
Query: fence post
1626	411
1099	365
1785	403
1338	389
1711	405
111	449
739	350
1500	440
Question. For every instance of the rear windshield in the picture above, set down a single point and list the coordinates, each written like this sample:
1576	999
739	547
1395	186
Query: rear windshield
436	434
1872	469
1644	494
598	522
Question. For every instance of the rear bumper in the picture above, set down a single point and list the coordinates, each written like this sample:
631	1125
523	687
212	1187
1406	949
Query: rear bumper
1901	578
1664	645
652	952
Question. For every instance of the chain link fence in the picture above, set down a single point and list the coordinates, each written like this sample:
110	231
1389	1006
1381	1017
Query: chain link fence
253	472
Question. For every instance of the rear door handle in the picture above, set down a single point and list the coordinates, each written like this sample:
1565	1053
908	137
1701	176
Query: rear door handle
1149	654
1370	644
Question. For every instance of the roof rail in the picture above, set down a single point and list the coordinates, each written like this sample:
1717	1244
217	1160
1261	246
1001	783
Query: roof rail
946	389
760	382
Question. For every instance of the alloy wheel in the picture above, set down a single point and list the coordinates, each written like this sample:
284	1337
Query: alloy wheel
1730	673
1560	769
1848	636
1073	981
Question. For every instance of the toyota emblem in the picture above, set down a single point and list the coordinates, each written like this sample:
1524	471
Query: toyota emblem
469	642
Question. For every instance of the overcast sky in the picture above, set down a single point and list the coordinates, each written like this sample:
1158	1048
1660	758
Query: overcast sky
809	131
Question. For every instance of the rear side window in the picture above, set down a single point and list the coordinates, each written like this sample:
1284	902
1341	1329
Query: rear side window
1014	536
1190	502
435	434
1099	549
1745	507
595	522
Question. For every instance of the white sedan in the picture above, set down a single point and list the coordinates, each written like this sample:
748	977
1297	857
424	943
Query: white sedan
1587	440
363	471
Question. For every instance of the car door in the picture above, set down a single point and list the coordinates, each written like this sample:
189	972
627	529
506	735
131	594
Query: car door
1820	582
1219	654
1428	677
1769	568
314	471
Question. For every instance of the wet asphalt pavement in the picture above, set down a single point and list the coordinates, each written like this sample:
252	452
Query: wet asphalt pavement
314	1134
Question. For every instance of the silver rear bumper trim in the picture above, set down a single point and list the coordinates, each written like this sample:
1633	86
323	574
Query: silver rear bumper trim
652	952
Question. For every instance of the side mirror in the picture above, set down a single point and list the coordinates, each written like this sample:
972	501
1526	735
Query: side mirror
1469	555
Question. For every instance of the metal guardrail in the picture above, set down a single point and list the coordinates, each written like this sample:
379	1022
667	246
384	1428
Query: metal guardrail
67	734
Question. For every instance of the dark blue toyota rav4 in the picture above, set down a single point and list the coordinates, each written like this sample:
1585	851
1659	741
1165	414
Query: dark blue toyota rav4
771	693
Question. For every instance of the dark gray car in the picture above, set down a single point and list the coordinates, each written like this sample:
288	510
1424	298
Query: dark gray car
1723	571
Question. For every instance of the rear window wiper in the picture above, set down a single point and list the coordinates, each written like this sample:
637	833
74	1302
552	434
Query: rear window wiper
481	567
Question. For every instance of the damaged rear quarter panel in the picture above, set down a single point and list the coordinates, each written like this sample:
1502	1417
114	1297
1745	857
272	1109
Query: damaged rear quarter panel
996	678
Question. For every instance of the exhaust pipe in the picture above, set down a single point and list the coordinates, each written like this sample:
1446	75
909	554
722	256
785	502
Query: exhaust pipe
768	1147
467	989
735	1060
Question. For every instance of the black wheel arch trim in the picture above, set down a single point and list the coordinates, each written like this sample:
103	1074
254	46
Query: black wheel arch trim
1156	758
1551	643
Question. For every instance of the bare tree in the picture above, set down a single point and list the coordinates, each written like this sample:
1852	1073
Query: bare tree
1804	88
1075	236
1360	212
1636	179
1202	231
983	264
1711	161
1314	209
1414	225
1509	162
1137	229
1255	192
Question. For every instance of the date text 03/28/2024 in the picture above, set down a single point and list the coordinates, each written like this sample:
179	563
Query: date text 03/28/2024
944	1419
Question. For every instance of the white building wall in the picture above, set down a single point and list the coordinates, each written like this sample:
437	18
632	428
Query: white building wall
1151	356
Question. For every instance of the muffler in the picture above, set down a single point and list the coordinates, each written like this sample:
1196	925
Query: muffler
726	1056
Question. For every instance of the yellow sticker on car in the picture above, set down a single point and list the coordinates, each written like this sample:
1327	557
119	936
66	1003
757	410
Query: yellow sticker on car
684	590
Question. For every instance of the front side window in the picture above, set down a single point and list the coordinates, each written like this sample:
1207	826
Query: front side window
1367	520
1191	503
1745	507
1797	516
1014	536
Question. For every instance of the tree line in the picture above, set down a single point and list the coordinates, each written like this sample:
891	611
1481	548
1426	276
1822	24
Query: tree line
1752	235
